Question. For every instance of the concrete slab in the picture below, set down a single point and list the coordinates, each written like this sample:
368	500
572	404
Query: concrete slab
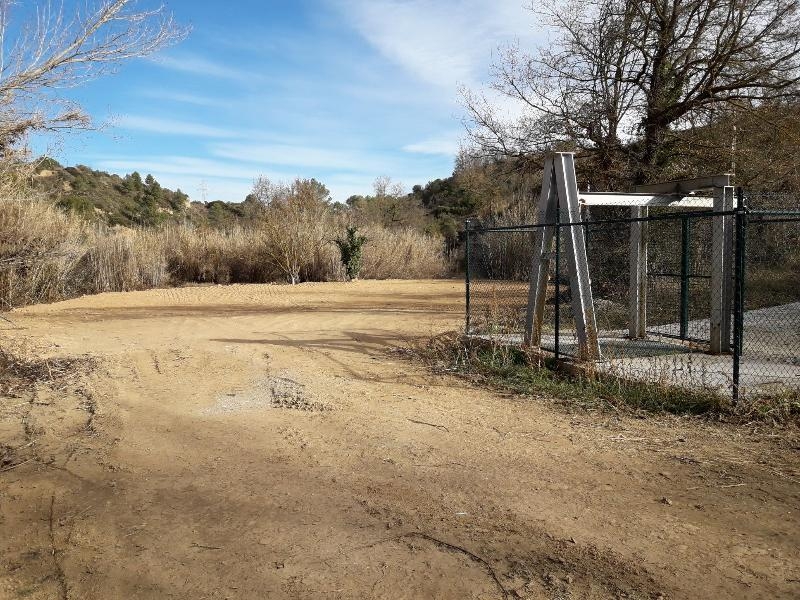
770	360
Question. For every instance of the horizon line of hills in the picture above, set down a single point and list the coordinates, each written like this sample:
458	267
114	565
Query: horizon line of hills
128	201
136	201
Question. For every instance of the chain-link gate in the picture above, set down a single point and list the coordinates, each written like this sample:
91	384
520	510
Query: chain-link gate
679	278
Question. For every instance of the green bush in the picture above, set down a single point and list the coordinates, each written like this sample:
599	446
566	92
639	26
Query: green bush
351	251
78	205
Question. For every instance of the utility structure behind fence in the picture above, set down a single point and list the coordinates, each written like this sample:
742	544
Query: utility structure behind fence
689	283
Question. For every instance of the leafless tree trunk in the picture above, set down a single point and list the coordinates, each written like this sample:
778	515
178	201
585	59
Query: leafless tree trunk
622	77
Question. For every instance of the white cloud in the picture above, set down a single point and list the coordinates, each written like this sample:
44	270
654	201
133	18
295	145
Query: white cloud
445	145
183	98
298	155
197	65
173	127
442	42
181	165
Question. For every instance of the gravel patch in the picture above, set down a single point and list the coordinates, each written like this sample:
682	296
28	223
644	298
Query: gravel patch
272	392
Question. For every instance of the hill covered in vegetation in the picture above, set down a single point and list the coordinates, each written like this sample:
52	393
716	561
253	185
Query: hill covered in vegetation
130	201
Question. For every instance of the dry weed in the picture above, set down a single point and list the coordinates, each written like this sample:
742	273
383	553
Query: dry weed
46	255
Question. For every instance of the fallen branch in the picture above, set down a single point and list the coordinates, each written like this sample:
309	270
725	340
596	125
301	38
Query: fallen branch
195	545
19	464
430	425
464	551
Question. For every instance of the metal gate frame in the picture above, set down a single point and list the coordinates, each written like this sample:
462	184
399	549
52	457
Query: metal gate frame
685	277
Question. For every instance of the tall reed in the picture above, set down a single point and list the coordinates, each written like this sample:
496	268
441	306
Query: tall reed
47	255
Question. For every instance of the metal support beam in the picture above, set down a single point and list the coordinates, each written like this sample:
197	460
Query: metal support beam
739	298
686	186
686	249
560	193
637	315
623	199
542	249
577	261
728	274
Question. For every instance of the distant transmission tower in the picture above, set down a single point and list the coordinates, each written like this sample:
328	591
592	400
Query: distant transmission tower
203	189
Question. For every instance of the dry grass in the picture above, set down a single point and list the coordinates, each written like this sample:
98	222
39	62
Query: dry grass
40	250
46	255
21	370
123	260
511	368
401	253
212	256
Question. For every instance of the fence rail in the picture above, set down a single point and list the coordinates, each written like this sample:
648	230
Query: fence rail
745	308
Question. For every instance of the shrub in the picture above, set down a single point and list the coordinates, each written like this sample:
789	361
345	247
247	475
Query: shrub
297	223
351	251
402	254
40	248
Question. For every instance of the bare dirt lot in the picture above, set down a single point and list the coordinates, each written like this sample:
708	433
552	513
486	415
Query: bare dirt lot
270	442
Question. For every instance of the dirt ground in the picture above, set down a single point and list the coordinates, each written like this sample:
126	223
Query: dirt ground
272	442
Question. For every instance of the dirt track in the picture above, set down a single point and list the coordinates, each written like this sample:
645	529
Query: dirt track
266	442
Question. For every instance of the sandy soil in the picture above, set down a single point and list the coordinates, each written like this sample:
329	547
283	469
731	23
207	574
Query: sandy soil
270	442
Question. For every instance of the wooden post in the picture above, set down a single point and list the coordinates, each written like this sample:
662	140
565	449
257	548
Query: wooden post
637	315
542	249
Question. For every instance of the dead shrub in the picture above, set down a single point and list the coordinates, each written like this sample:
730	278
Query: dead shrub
39	249
298	226
402	254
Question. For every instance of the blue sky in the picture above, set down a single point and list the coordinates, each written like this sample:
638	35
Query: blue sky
339	90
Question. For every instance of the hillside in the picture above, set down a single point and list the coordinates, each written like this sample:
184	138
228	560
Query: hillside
133	201
128	201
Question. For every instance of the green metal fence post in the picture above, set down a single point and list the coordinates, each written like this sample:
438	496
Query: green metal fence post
739	297
686	229
557	323
467	253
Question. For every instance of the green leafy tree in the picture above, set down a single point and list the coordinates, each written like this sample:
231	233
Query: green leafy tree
133	182
178	200
351	251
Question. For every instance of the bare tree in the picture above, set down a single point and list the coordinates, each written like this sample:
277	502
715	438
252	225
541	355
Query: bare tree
296	222
53	49
384	187
623	77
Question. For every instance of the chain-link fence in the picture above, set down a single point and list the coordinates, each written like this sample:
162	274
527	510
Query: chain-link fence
692	319
770	317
